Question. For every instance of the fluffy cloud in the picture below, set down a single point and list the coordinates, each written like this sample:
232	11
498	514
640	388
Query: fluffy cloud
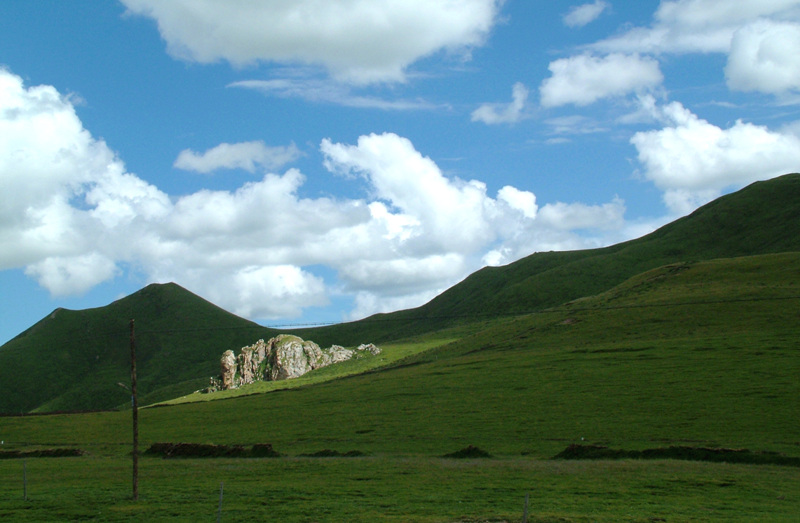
243	155
453	214
582	15
758	36
584	79
65	276
357	41
60	189
764	58
72	217
523	201
503	113
705	26
692	160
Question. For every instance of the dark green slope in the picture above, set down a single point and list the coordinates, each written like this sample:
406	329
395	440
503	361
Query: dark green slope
73	360
762	218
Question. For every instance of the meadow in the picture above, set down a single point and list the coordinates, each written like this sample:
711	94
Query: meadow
699	354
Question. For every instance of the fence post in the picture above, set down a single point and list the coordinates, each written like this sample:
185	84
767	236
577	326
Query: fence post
24	480
135	409
219	511
525	512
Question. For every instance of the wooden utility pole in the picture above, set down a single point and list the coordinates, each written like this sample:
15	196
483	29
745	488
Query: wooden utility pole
135	405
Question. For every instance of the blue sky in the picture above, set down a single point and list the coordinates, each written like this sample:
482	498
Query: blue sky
303	162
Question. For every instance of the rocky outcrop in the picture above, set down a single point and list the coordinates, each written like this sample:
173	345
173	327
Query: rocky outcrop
282	357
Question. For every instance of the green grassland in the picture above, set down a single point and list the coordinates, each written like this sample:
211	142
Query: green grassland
702	353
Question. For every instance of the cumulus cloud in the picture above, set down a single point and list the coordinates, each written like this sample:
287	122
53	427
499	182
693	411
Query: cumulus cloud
705	26
64	276
585	14
358	42
571	216
693	161
73	217
523	201
764	58
244	155
504	113
60	189
758	36
586	78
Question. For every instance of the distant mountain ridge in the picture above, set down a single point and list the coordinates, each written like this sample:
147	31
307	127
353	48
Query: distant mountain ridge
73	360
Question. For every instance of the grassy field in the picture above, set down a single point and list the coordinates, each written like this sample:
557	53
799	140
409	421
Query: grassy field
396	489
701	354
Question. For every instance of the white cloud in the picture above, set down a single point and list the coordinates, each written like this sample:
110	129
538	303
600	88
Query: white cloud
764	57
523	201
60	189
693	161
584	14
73	217
368	303
64	276
451	213
584	79
358	42
759	37
244	155
272	291
571	216
504	113
705	26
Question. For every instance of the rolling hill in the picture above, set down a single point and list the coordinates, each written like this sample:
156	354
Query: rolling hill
72	360
759	219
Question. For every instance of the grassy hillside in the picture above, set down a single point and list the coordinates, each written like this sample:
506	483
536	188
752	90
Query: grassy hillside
759	219
73	360
703	352
697	354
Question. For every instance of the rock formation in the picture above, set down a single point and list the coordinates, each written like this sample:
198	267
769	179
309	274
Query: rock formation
282	357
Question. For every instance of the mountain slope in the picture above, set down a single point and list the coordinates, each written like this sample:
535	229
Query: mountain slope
759	219
73	360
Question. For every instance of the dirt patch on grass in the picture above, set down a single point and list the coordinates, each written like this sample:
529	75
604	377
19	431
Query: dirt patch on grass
41	453
200	450
717	455
469	452
328	453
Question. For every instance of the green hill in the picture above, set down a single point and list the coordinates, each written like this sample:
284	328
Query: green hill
759	219
73	359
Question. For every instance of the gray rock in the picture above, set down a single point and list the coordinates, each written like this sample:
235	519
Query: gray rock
283	357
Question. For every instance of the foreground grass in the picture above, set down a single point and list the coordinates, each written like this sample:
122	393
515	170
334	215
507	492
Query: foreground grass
396	490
